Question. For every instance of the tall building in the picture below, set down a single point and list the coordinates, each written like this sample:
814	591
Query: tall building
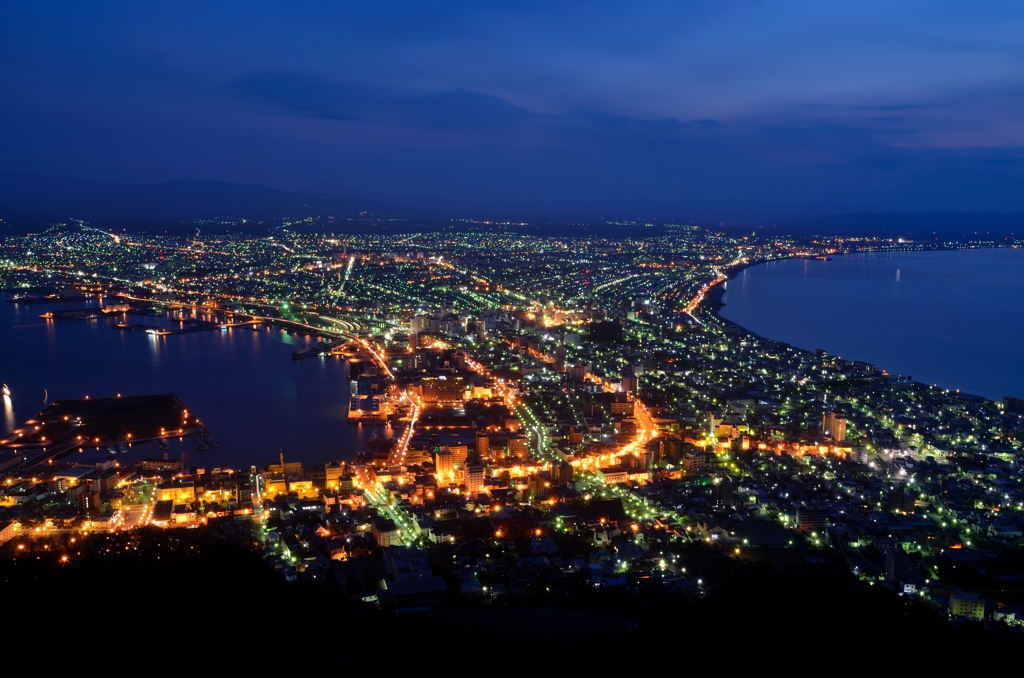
444	466
474	478
578	373
459	454
561	472
483	445
835	426
897	564
425	323
560	359
535	487
518	447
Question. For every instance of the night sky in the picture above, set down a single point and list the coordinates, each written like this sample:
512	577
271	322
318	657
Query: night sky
846	105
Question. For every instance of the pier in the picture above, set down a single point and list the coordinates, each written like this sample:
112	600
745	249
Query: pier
194	326
77	314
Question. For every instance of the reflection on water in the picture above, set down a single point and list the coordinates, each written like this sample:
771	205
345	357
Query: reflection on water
242	383
9	421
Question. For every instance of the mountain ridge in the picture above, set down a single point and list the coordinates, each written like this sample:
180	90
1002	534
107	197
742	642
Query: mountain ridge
28	200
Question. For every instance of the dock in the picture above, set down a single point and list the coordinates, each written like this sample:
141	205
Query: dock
194	326
135	327
79	314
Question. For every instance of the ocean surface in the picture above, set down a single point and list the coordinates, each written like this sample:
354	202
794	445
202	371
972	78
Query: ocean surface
951	318
242	383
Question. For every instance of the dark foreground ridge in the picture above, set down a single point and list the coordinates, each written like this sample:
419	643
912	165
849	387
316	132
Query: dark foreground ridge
203	592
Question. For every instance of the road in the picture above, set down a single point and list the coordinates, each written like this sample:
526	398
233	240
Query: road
135	515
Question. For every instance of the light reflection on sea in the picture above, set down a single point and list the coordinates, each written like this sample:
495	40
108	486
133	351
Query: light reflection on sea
241	382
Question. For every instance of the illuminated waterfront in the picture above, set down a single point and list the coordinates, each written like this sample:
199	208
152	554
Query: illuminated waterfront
951	318
242	382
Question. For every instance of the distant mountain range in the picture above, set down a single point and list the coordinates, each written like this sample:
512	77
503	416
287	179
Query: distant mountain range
28	201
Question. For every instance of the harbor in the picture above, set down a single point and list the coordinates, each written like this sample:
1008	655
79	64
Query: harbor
113	425
252	393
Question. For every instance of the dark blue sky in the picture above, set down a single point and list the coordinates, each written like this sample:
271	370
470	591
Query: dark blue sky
909	105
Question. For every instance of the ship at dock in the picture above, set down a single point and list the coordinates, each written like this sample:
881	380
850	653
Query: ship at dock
321	348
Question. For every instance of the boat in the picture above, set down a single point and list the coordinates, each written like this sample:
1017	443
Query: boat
7	391
300	353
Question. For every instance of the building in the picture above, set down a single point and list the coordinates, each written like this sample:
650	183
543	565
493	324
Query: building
386	533
89	503
419	592
404	562
483	445
443	389
969	605
835	426
292	468
812	519
333	473
425	323
178	491
474	478
612	475
625	408
161	465
274	485
561	473
1013	404
7	530
536	487
897	564
578	373
444	466
459	454
303	487
518	447
693	461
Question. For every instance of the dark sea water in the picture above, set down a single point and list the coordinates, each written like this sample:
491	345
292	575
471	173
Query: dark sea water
242	383
952	318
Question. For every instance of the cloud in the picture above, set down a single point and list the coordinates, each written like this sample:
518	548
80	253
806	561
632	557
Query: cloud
905	105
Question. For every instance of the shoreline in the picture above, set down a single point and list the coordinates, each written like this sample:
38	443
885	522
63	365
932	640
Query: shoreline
713	303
